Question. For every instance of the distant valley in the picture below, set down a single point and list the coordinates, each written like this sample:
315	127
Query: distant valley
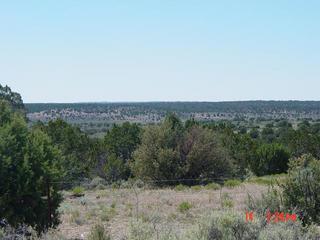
151	112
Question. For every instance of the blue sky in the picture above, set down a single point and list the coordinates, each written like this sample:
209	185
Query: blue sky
80	51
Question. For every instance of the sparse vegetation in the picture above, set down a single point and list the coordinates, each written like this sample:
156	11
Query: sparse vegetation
106	213
226	201
231	183
232	225
76	217
150	179
98	233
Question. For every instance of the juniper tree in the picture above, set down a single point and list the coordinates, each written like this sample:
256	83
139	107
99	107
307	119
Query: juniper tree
29	170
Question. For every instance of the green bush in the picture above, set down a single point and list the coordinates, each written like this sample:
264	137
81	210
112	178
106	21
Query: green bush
75	146
213	186
29	167
116	169
98	233
301	191
120	142
270	159
184	207
231	183
268	180
170	151
225	225
196	188
180	187
78	191
261	180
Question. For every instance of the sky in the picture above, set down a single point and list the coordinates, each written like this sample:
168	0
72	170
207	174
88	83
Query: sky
165	50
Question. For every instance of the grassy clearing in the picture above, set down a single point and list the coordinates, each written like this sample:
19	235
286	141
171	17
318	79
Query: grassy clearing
124	211
167	214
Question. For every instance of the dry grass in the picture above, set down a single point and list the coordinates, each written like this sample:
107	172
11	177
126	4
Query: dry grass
116	208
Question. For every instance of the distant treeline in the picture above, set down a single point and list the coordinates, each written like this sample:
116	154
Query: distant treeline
187	107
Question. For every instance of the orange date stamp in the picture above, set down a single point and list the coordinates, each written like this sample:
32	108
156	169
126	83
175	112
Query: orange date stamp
274	217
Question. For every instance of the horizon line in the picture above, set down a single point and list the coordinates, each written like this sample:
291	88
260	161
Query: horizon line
178	101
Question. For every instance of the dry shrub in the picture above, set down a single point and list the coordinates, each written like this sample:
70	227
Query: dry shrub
98	233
